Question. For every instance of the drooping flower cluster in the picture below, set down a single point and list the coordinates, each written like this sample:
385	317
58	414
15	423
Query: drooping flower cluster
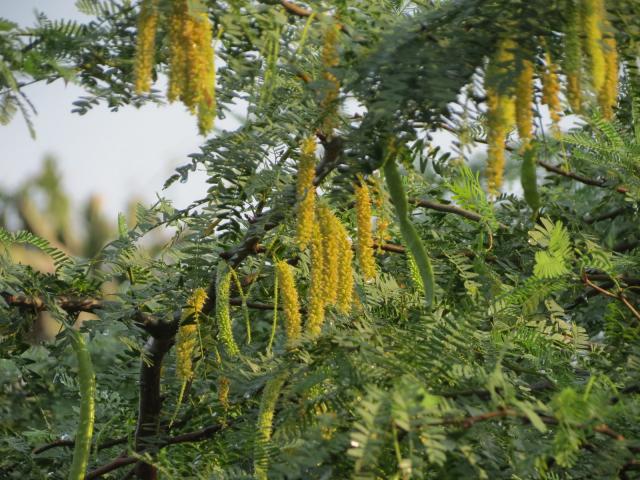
588	35
306	192
330	59
146	45
191	58
365	252
290	302
187	337
223	314
331	282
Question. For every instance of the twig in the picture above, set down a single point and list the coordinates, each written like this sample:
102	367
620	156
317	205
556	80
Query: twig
122	461
618	296
295	9
70	443
68	303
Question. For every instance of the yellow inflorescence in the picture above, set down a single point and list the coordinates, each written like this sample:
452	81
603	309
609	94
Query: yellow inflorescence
573	57
593	18
306	192
330	59
551	90
365	238
191	63
187	336
265	425
382	221
291	304
223	313
316	306
223	392
329	225
345	271
609	93
501	112
524	98
145	45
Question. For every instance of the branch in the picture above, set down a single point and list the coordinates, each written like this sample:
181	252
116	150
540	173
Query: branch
197	436
150	402
68	303
295	9
618	296
552	168
580	178
70	443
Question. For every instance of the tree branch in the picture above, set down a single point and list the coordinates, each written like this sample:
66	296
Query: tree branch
70	304
150	402
122	461
295	9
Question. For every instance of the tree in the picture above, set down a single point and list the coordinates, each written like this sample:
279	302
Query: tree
348	301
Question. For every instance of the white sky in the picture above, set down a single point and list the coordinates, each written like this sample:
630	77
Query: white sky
121	155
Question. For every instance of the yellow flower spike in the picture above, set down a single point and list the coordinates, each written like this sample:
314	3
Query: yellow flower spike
609	93
524	98
328	231
345	271
501	112
177	55
593	17
330	59
187	337
145	45
223	392
306	192
290	302
573	57
551	89
365	238
315	317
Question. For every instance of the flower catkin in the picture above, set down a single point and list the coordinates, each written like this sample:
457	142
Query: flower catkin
187	336
145	45
316	306
573	57
501	112
223	313
328	223
306	193
593	16
290	302
264	426
345	271
609	93
524	98
365	238
191	63
551	89
330	59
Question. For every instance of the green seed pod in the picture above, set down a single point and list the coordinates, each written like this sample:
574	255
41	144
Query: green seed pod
223	314
529	178
408	231
87	384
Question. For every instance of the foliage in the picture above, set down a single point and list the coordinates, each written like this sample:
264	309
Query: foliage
526	364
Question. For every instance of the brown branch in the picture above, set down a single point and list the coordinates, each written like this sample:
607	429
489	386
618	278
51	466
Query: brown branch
580	178
197	436
552	168
111	466
440	207
70	443
295	9
150	402
618	296
70	304
605	216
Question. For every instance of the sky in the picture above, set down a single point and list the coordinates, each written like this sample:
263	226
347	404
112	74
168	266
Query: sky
119	156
